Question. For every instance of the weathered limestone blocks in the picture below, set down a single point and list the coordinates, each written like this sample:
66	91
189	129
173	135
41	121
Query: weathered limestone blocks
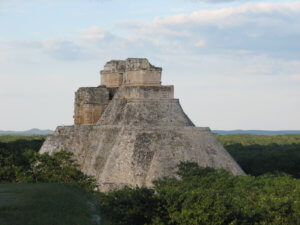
145	112
90	103
112	74
130	130
133	155
131	78
145	92
130	72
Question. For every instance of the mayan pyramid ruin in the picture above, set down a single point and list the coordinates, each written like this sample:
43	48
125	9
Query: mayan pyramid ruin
130	130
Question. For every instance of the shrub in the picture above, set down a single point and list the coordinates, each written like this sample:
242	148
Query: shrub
57	168
128	206
20	162
208	196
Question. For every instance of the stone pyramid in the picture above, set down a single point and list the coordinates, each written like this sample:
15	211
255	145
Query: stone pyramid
130	129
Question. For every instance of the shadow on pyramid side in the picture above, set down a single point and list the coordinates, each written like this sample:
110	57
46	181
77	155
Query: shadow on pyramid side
130	130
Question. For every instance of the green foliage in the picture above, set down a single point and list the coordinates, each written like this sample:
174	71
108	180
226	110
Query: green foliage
262	140
259	154
128	206
200	196
18	163
13	156
44	204
209	196
34	140
57	168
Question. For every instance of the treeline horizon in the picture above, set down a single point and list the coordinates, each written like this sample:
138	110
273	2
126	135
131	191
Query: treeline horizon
268	194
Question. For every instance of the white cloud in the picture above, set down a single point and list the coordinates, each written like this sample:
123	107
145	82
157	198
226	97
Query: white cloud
94	33
296	77
257	28
237	57
57	48
200	44
62	49
231	16
249	29
227	16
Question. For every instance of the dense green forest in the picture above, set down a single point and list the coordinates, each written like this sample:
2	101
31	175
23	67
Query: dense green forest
206	196
269	194
256	154
260	154
20	162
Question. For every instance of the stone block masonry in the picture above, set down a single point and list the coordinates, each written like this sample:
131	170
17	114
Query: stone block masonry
130	72
130	130
90	103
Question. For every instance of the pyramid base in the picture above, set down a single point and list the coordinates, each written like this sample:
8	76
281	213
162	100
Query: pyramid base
119	156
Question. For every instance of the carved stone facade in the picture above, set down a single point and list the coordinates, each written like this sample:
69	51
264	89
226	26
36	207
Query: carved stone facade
90	102
112	75
130	72
130	130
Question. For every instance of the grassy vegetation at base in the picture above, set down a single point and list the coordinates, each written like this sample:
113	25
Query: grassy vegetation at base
43	204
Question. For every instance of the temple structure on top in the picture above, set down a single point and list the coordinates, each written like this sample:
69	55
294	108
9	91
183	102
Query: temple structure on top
130	130
130	72
91	102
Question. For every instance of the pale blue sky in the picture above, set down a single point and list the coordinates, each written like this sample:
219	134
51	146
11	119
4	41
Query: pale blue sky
234	64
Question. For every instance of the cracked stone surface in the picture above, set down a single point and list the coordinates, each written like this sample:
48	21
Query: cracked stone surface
142	134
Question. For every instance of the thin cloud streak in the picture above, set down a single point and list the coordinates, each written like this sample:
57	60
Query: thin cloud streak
237	57
248	30
270	28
